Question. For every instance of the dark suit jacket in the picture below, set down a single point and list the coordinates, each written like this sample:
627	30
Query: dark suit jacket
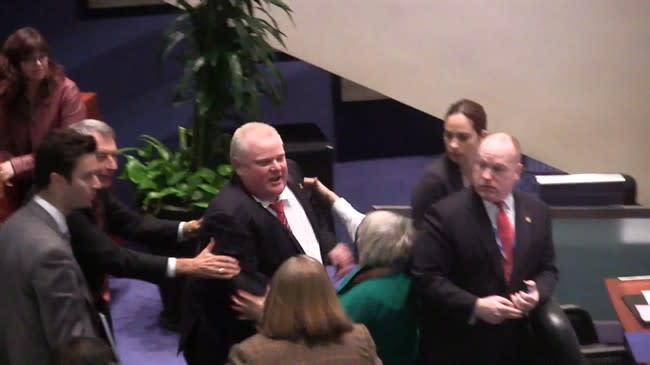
440	179
245	230
457	261
99	255
354	348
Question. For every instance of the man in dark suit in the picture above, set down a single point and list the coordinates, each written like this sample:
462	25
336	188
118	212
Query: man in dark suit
484	260
44	299
263	217
99	255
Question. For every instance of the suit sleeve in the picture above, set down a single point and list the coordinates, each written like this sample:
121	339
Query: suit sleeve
128	224
234	239
432	267
93	248
547	276
61	298
428	190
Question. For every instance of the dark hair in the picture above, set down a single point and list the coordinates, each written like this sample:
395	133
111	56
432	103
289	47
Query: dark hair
472	110
59	152
19	45
84	351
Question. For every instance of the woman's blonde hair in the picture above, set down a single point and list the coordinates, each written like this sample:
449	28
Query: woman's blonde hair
302	304
385	239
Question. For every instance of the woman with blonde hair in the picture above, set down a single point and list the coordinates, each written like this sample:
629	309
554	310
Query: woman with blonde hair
303	322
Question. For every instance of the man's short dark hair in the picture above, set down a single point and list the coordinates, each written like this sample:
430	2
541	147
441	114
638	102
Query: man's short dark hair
59	152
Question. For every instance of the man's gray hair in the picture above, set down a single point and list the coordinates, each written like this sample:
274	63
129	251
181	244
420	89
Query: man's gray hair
91	126
239	145
385	239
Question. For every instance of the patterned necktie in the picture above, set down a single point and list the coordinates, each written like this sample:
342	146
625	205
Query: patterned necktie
278	208
506	235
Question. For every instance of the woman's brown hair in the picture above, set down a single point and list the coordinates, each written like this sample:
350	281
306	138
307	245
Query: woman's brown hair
472	110
19	46
302	304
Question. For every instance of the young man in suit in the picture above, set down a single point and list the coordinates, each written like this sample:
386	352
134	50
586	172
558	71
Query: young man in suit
263	217
99	255
44	299
484	261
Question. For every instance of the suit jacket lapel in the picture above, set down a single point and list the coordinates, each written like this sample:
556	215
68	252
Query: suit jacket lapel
522	240
485	232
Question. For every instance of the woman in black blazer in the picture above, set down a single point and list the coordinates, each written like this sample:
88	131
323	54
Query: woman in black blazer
465	126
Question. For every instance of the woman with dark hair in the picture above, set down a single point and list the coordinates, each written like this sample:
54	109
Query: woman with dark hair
303	322
35	97
465	126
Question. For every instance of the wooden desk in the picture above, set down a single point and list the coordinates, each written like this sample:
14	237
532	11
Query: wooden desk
616	289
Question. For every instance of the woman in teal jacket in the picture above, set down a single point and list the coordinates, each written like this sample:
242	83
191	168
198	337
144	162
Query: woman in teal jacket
379	293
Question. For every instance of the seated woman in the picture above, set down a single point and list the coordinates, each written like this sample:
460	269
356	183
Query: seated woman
303	322
35	98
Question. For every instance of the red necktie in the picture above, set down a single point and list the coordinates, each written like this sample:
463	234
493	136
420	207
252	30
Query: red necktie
278	208
506	235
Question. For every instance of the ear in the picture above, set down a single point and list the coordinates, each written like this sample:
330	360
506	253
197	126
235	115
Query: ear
57	179
484	133
236	165
519	169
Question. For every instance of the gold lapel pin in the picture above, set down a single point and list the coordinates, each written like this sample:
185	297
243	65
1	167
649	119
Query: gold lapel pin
300	186
527	219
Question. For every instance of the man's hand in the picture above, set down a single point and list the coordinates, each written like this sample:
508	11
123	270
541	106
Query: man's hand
496	309
324	191
192	227
342	258
209	266
6	172
526	301
249	306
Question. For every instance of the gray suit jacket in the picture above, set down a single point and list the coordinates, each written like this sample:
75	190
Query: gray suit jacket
44	297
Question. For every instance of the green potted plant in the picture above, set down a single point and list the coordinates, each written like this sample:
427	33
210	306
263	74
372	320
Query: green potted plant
228	65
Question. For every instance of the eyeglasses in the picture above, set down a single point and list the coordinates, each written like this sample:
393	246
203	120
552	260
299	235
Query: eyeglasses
33	59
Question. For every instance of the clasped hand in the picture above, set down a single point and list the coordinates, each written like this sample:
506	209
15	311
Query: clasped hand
495	309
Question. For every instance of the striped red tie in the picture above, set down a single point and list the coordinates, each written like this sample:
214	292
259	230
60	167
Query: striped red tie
506	235
278	208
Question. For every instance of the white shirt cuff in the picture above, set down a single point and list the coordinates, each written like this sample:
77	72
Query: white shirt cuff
179	235
350	217
171	267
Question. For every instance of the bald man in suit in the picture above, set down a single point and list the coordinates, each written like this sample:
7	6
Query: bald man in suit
484	261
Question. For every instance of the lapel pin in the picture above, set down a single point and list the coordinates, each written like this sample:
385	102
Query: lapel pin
527	219
300	186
